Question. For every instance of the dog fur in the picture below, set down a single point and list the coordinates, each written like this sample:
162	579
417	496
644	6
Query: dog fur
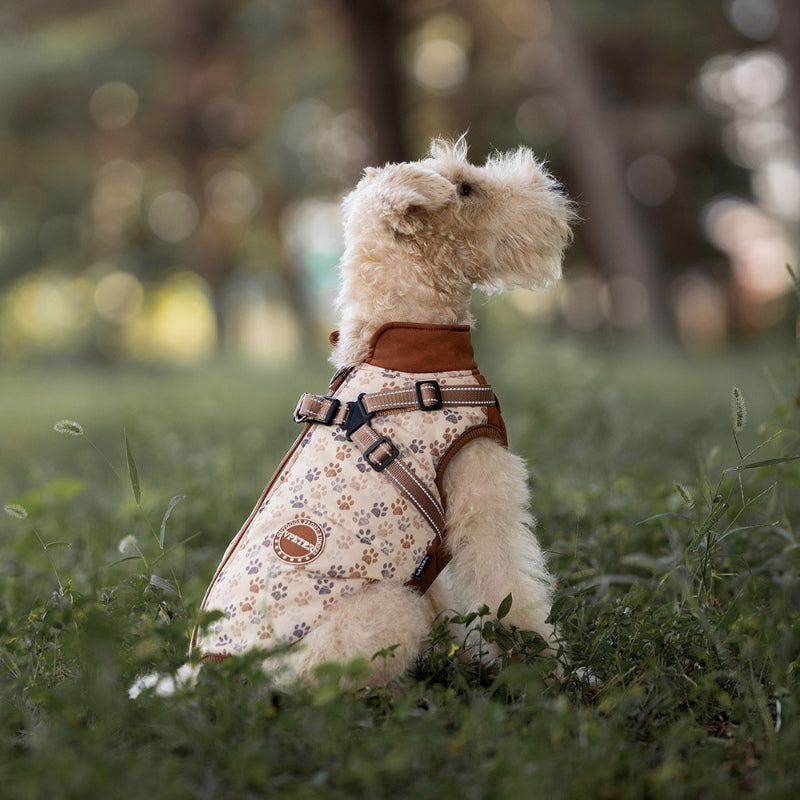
418	238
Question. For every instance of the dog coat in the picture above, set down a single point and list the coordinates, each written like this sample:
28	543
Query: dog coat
357	497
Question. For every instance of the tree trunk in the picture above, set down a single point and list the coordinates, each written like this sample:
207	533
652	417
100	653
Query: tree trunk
201	66
376	29
787	39
593	151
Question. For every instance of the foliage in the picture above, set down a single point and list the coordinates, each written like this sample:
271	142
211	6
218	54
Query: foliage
144	143
678	607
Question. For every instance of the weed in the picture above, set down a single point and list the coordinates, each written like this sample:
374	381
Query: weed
675	541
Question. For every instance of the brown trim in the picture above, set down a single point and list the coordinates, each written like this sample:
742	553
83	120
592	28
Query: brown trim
235	542
421	347
439	557
476	432
216	658
495	420
438	552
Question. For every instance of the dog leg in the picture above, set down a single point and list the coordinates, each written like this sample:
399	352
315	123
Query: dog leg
377	617
489	534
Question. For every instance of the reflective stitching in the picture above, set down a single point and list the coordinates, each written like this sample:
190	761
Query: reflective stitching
371	434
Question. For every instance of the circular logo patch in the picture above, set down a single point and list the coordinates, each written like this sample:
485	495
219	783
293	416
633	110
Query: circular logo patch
299	541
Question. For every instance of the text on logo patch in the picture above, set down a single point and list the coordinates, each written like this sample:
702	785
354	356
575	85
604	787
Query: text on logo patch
299	542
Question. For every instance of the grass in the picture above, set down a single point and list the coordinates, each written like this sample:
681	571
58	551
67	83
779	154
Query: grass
672	526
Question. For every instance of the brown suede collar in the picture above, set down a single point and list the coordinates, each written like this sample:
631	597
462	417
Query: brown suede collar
421	347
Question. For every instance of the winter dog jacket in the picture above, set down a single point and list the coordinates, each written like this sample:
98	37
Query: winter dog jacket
336	515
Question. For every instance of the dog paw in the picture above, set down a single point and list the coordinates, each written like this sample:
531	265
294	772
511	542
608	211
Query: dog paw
588	676
165	685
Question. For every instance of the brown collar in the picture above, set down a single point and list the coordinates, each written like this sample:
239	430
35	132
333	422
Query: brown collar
420	347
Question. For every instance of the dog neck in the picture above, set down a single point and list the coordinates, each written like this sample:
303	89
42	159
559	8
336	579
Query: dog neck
362	318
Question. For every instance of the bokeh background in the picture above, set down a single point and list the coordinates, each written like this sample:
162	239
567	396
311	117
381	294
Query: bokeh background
171	171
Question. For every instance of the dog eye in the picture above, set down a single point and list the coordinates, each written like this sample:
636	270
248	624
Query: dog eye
465	189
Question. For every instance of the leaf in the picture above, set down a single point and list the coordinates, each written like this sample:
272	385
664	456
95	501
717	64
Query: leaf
172	503
124	559
718	507
636	596
56	544
770	462
465	619
504	607
795	280
162	584
133	472
663	515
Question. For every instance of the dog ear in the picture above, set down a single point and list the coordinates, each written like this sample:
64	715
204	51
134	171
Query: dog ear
409	193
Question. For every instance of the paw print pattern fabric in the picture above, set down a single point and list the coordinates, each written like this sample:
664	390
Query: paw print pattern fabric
327	523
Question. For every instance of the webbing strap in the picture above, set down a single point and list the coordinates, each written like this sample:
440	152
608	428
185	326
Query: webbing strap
426	396
382	454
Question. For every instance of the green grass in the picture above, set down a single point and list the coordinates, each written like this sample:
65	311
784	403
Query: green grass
678	588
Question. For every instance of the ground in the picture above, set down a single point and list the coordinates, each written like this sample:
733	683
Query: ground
677	569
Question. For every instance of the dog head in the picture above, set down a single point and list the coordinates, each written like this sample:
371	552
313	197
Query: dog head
501	225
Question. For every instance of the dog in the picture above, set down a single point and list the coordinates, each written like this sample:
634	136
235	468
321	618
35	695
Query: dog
400	499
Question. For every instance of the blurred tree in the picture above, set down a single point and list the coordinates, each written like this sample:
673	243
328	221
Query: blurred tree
377	29
616	237
201	66
787	38
152	137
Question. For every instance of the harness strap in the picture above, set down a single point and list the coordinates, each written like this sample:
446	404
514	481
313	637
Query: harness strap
382	454
425	396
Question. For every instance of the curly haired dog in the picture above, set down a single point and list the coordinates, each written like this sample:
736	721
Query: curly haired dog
402	466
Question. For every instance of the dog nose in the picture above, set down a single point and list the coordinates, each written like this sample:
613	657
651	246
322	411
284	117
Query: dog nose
556	186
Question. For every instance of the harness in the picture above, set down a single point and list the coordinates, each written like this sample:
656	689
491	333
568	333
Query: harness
382	454
358	496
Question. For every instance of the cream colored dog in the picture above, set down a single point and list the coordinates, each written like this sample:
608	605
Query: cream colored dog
337	553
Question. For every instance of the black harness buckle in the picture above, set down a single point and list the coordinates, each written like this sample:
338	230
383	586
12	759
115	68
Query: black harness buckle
357	415
381	465
432	404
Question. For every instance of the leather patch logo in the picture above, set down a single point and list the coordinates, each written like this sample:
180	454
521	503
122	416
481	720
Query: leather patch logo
299	542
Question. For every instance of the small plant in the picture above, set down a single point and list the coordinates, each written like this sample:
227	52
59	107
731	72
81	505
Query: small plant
677	606
19	512
129	546
469	651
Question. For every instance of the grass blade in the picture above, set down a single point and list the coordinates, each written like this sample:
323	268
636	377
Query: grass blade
172	503
718	507
770	462
166	586
132	471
